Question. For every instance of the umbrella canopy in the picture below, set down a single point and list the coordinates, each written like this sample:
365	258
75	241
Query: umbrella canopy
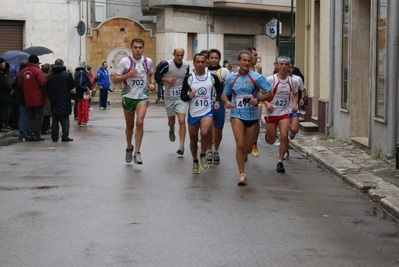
15	57
37	50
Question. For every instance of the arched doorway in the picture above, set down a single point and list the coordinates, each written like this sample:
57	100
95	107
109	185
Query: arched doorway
113	59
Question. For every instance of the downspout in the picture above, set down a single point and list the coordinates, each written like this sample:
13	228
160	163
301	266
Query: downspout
207	31
291	55
80	37
393	78
330	116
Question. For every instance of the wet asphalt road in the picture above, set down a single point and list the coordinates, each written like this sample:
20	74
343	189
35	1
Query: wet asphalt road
80	204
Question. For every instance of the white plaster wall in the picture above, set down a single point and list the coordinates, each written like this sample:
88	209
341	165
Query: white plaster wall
324	49
167	42
49	23
267	50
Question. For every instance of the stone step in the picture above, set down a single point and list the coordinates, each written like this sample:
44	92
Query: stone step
308	126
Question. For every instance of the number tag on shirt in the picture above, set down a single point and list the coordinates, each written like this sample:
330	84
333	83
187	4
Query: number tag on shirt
242	101
175	91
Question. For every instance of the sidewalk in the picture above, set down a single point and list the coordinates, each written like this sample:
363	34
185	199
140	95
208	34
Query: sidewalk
373	176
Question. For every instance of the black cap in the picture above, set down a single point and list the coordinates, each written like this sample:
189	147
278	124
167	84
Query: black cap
2	60
34	59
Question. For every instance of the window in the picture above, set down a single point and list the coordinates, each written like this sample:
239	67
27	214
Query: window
381	59
192	44
345	55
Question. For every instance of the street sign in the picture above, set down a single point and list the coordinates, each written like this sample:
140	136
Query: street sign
81	28
271	28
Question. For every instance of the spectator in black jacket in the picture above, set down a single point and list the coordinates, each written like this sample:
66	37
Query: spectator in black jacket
59	85
5	91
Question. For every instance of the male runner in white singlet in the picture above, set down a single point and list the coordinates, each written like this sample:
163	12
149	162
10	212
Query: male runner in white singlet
198	88
137	76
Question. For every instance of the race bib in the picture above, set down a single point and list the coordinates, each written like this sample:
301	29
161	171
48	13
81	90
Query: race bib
242	101
280	102
175	91
201	102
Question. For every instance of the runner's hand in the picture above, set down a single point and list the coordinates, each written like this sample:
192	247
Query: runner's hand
229	105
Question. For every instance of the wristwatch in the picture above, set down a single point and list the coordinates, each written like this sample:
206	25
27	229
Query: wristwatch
258	99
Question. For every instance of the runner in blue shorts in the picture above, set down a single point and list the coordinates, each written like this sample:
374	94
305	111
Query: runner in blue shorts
219	115
197	89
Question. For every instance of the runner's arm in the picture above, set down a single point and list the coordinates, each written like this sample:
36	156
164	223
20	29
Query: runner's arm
160	71
184	90
218	87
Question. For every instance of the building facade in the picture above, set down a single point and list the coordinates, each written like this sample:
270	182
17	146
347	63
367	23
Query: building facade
226	25
351	66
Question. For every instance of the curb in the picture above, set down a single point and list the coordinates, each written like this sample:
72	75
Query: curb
379	191
6	134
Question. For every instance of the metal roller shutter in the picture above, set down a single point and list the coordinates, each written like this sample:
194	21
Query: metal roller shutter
234	44
11	32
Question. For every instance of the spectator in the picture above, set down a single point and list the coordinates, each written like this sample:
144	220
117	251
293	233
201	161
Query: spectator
93	83
83	86
32	81
104	84
5	92
59	86
19	94
46	124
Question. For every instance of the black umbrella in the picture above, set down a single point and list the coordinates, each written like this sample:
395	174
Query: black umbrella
15	57
37	50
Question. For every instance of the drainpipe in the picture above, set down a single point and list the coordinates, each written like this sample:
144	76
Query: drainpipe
207	31
291	55
393	78
330	116
80	37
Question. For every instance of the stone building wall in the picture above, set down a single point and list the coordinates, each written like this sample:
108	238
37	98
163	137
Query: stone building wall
116	33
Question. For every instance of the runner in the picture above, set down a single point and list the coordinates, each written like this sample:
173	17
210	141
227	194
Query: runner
244	87
171	73
198	89
278	109
294	117
137	76
258	69
219	115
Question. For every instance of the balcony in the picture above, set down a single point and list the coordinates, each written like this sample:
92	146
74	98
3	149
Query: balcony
149	7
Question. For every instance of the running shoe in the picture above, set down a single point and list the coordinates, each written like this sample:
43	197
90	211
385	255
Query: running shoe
195	169
209	156
137	158
216	158
172	136
280	167
292	136
286	155
242	180
203	163
180	151
255	152
129	155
